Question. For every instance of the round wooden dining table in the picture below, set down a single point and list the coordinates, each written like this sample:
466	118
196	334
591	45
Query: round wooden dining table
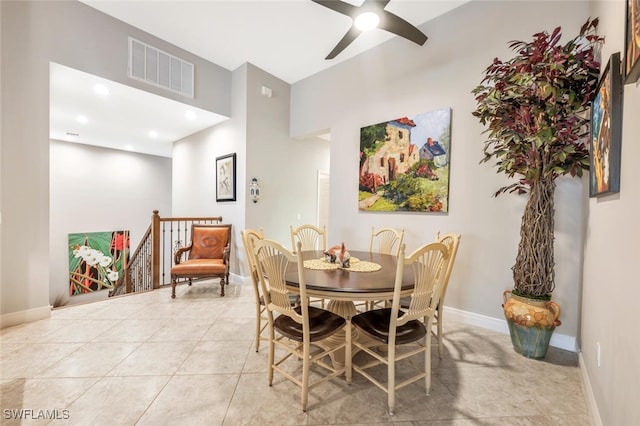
342	286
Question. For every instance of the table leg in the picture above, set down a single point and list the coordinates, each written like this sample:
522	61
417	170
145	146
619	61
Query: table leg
345	309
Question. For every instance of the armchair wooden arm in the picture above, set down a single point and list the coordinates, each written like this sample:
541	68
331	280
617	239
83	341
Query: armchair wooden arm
177	256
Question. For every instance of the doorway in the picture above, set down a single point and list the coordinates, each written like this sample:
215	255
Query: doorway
323	199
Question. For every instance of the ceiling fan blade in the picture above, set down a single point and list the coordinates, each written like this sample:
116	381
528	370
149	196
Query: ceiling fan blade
396	25
374	4
388	22
339	6
351	35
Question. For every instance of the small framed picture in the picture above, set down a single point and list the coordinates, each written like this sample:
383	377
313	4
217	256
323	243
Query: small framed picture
226	177
606	131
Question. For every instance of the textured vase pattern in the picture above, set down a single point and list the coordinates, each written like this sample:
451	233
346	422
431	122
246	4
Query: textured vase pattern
531	324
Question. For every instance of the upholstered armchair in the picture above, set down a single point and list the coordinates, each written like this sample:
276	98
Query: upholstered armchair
207	255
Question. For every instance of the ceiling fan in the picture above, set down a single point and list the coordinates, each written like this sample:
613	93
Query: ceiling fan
369	15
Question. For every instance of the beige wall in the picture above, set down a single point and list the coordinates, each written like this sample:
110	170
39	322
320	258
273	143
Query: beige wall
611	258
597	297
258	133
95	189
441	74
194	178
286	168
33	36
596	239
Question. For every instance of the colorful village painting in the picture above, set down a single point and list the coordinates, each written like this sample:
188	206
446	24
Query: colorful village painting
404	164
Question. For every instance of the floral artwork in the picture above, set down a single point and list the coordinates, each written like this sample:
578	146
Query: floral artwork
96	260
404	164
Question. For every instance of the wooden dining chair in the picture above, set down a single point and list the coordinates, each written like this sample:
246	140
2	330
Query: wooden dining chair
301	328
452	241
385	241
249	236
312	238
404	332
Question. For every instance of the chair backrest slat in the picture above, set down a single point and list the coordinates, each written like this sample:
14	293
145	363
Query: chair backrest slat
389	240
273	260
428	265
311	237
452	241
249	237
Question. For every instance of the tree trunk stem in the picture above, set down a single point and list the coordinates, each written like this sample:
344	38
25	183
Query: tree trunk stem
533	272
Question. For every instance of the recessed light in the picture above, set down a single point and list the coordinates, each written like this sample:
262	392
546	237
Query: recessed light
190	115
153	134
101	89
81	119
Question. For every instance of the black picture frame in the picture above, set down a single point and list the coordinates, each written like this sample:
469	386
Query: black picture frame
632	42
226	177
606	131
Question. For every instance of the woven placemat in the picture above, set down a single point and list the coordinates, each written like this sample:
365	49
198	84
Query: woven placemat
355	265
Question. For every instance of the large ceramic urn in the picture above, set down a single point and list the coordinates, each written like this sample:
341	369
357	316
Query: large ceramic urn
531	323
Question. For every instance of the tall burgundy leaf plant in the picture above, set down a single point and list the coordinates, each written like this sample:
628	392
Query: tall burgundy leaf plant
535	107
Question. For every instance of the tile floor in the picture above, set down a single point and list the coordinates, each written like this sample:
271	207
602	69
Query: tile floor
149	360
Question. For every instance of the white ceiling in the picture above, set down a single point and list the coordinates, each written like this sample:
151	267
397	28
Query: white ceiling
121	119
287	38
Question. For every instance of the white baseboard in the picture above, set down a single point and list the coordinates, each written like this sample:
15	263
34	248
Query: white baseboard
592	407
558	340
20	317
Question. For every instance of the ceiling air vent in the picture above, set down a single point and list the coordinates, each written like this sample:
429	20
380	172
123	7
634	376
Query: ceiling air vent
153	66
